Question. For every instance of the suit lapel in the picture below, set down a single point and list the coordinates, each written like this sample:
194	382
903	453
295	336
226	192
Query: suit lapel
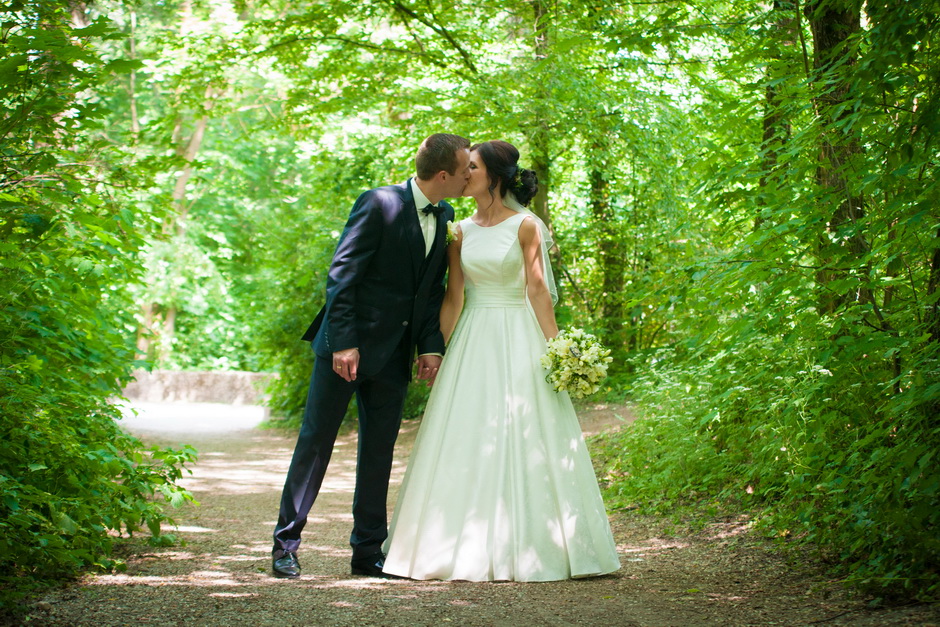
438	245
414	237
439	236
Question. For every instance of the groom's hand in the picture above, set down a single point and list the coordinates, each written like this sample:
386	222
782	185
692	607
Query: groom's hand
428	365
346	363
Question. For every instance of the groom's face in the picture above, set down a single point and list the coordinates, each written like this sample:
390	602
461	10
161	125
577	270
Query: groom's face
458	180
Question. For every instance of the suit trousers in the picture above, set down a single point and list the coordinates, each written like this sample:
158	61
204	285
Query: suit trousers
380	399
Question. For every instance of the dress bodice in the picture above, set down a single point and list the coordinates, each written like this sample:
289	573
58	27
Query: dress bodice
492	263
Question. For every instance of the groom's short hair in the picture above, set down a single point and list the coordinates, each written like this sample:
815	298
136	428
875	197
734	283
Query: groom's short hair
439	152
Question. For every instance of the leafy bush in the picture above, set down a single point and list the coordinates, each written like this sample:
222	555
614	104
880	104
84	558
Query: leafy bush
799	374
69	477
804	425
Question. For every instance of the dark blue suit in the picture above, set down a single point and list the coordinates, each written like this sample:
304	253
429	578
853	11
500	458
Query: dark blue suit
383	296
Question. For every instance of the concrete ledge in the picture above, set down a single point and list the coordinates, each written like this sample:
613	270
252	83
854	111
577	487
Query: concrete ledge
229	387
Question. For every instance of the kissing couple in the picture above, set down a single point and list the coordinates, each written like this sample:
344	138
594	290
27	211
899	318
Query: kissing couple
500	485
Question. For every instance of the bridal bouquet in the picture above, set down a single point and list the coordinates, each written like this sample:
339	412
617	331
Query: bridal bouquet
576	363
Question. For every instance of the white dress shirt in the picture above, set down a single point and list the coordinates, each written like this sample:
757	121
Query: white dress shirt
428	221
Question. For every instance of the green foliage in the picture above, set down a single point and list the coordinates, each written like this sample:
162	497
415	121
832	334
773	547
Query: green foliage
801	376
68	475
825	453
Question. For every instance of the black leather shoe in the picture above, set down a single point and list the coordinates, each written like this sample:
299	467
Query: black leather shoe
285	564
370	566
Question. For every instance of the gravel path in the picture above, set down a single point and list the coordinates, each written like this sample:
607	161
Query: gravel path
722	575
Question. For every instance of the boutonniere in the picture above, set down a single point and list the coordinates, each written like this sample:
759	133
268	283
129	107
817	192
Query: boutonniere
451	231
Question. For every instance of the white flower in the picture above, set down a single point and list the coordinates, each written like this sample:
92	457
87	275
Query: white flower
451	232
576	363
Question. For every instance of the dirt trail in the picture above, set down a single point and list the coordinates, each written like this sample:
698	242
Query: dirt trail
721	576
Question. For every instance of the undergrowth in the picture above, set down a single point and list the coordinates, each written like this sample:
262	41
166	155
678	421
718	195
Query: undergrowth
823	455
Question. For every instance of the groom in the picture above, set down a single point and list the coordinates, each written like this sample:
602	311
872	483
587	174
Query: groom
383	297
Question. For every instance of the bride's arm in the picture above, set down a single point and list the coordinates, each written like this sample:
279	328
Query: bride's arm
453	297
539	297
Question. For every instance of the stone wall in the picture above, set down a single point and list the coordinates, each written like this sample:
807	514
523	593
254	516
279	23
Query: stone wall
232	387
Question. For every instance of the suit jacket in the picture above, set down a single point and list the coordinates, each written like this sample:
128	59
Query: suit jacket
381	287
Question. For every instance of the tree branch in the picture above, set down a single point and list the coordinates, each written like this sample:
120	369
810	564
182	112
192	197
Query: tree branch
440	30
422	55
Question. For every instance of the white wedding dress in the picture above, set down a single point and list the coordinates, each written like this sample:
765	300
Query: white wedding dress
500	484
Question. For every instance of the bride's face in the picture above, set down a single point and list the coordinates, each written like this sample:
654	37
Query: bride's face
479	182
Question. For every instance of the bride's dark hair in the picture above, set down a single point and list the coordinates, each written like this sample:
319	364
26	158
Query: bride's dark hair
502	167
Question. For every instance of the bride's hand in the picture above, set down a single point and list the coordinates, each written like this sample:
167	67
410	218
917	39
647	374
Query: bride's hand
428	365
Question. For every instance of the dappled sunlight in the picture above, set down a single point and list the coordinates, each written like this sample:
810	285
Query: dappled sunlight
239	487
325	519
195	579
225	567
741	210
729	529
226	579
216	577
187	529
726	598
170	555
339	482
258	547
262	471
238	476
202	577
242	558
651	547
233	595
325	550
385	585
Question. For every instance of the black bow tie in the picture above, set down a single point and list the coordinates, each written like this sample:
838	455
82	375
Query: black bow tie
433	209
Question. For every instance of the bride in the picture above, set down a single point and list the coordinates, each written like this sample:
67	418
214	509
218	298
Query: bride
500	485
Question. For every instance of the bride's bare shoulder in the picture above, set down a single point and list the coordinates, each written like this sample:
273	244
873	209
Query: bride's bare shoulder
529	230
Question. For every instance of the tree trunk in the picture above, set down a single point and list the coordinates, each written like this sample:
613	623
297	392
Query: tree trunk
933	285
539	138
79	11
145	331
188	153
168	332
638	265
835	24
187	149
610	252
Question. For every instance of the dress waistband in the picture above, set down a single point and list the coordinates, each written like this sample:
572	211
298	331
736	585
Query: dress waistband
500	297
